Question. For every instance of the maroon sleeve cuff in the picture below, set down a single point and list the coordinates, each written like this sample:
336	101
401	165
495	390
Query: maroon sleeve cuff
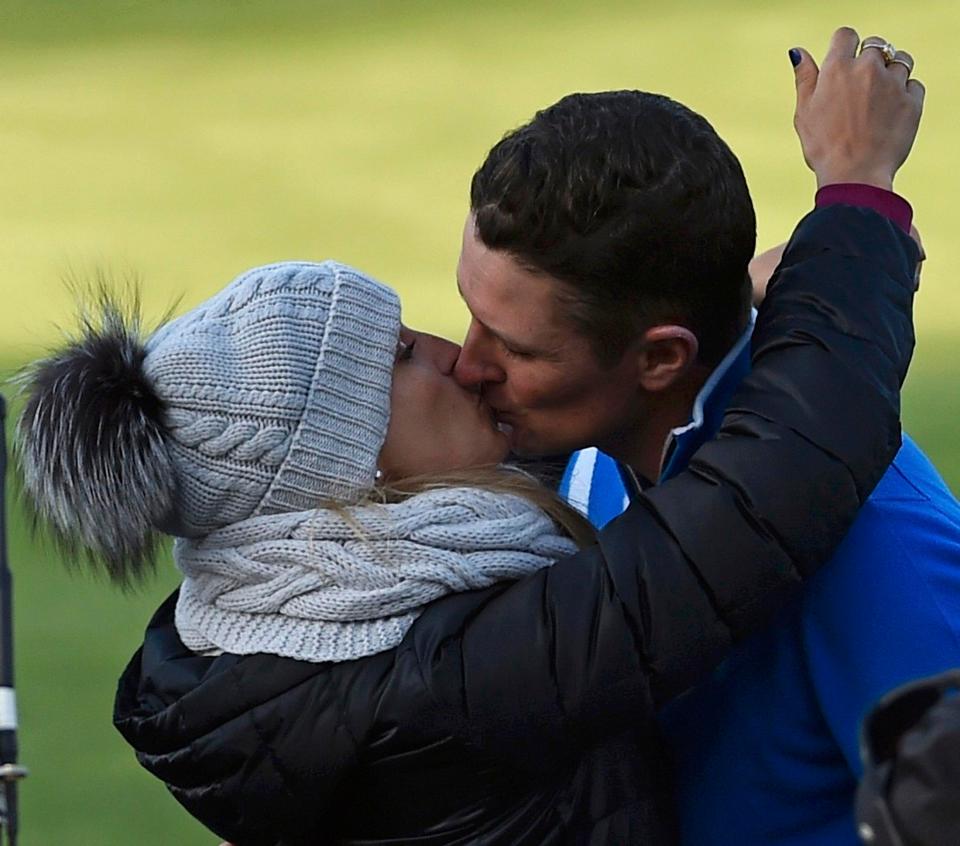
890	205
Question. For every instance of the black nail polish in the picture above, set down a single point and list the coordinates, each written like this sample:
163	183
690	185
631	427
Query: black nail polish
795	56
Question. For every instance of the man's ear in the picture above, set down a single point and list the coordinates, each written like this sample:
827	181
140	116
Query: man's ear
667	354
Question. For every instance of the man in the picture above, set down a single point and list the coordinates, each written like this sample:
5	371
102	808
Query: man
604	264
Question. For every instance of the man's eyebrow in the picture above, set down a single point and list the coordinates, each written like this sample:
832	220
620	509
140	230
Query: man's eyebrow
513	344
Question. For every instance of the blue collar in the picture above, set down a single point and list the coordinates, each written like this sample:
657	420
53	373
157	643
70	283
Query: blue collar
709	406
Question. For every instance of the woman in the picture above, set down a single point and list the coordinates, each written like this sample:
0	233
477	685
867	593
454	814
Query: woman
510	714
372	643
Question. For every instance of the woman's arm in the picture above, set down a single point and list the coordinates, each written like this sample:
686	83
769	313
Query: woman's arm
702	560
588	645
803	443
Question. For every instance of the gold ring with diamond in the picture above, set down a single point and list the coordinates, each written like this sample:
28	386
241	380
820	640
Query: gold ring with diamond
888	51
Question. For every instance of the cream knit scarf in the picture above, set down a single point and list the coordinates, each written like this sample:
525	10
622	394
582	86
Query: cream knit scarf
329	586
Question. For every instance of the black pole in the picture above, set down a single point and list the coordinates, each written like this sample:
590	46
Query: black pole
10	772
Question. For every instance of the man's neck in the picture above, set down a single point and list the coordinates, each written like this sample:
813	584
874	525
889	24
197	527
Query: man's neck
642	448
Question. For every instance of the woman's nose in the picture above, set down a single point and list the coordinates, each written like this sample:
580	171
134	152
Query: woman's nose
441	352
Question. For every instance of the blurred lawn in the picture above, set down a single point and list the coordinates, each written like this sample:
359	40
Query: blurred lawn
185	141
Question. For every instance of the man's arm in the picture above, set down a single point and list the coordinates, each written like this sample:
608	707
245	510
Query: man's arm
763	265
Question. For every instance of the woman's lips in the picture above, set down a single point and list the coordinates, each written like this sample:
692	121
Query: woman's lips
495	421
500	420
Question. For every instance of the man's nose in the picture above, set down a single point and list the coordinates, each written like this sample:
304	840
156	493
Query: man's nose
476	363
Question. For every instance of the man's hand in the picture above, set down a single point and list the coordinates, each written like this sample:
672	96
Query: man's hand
857	116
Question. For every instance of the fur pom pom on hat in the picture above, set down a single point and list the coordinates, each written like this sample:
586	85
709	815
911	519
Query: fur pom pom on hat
272	396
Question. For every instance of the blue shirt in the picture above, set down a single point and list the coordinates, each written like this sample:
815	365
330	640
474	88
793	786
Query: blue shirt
765	750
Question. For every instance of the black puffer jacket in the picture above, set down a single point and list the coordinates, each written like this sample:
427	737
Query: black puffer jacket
524	714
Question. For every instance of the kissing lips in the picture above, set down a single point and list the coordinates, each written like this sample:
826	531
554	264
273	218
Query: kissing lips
500	425
501	422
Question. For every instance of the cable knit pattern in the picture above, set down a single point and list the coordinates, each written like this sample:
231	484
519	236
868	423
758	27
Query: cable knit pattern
243	440
333	586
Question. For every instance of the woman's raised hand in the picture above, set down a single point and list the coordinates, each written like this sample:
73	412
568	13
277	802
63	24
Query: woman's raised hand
857	116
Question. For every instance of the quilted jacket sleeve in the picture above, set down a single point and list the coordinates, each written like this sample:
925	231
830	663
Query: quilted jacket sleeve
583	649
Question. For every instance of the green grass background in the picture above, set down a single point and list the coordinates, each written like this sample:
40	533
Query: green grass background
183	141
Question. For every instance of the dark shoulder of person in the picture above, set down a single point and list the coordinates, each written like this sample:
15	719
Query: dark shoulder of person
910	745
